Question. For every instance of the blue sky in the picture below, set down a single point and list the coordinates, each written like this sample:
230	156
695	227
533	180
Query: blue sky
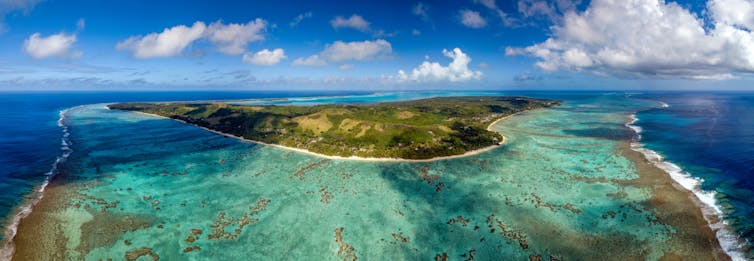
355	45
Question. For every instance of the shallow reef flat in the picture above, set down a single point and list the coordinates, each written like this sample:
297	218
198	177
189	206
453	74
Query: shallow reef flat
565	186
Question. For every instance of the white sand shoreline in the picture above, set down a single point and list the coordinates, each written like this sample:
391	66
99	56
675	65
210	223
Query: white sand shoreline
354	158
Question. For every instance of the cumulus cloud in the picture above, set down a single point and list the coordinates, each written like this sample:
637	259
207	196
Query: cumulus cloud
230	38
650	38
300	18
233	38
170	42
340	51
472	19
733	12
354	22
265	57
56	45
457	71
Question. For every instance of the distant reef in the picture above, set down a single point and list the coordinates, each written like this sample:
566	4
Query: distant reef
413	130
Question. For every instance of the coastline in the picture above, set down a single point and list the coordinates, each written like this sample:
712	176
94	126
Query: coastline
684	211
7	248
353	158
671	186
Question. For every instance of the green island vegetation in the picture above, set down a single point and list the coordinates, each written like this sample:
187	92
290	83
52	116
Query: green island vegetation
417	129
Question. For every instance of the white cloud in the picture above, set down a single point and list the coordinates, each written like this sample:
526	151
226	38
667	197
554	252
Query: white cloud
170	42
313	60
531	8
416	32
265	57
233	38
340	51
457	71
650	38
300	18
58	45
229	39
354	22
472	19
733	12
344	51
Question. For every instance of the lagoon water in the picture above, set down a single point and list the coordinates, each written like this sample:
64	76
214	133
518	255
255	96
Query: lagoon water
562	187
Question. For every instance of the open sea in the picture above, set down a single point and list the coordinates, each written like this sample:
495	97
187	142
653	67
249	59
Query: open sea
186	182
709	137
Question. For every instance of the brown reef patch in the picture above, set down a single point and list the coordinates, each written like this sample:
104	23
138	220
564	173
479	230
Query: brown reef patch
400	237
301	172
570	207
222	222
134	254
426	177
325	195
345	251
469	256
106	228
507	232
439	187
460	220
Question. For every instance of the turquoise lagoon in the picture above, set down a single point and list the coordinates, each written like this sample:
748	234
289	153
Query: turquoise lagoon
141	186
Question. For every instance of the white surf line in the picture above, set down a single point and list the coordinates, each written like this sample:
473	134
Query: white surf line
729	241
6	251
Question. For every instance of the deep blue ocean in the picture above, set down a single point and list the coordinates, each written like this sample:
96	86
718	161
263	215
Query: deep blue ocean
709	135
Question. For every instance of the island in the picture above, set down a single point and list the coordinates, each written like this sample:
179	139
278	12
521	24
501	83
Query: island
412	130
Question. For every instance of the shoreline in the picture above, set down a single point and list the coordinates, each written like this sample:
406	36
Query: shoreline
649	173
353	158
27	205
708	215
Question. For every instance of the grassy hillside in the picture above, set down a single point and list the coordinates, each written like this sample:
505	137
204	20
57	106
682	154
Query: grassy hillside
418	129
